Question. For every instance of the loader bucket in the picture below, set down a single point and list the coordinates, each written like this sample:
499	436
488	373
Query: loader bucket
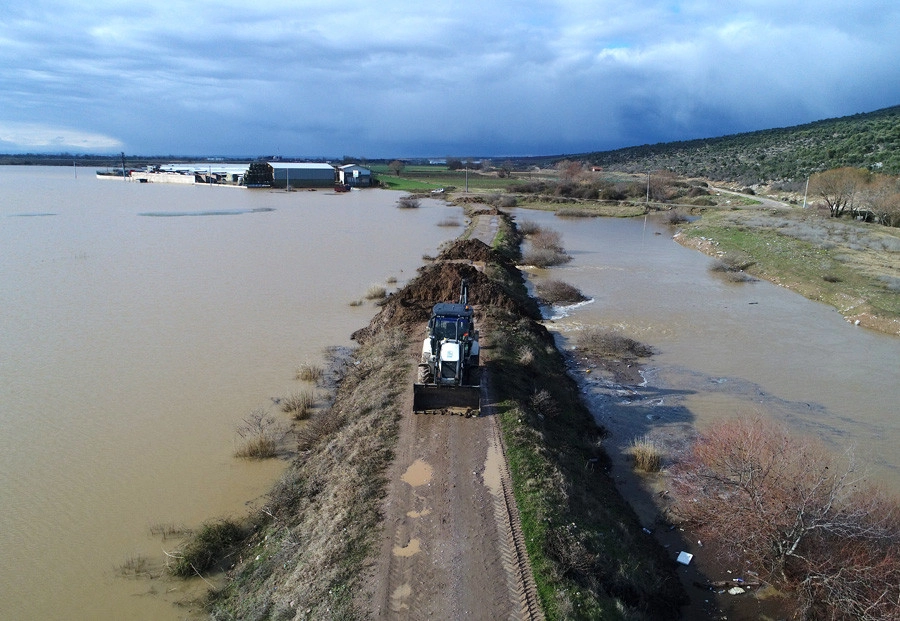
454	399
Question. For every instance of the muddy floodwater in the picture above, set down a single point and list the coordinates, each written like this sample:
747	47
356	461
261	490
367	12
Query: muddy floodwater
139	324
724	350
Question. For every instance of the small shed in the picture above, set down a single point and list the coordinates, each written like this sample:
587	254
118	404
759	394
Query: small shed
355	176
302	175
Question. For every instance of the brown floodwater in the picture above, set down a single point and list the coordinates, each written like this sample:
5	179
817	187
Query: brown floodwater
724	349
139	324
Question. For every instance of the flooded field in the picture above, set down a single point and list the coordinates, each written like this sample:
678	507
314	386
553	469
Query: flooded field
724	349
140	324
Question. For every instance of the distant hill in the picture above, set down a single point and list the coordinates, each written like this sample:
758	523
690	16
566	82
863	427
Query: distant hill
870	140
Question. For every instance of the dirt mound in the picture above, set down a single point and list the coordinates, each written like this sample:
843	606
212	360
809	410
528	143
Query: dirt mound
471	249
440	282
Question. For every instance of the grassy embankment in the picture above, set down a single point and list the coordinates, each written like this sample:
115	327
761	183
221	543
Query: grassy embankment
588	553
850	265
305	550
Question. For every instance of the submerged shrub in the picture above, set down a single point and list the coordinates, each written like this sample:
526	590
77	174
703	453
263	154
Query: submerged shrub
207	546
646	454
596	342
408	202
261	435
309	372
557	291
300	404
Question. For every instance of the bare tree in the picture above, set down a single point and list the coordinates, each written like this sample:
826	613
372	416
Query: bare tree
569	170
797	516
882	197
838	187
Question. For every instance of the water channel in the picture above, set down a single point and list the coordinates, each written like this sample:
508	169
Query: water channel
139	323
724	349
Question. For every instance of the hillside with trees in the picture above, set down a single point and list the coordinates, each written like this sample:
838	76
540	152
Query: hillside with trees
870	141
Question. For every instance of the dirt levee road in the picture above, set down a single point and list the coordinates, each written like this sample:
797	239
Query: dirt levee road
449	546
442	552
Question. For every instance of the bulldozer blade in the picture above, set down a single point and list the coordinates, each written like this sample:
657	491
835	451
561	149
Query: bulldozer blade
458	399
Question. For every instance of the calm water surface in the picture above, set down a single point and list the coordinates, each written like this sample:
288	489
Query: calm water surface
139	323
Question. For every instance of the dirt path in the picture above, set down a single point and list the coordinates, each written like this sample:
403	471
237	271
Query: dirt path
451	546
447	550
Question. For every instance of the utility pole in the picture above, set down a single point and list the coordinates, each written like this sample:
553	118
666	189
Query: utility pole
648	187
805	192
123	165
467	177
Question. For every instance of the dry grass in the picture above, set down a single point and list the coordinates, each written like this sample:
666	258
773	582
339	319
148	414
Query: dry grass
300	404
376	292
308	372
322	515
137	566
168	530
261	436
449	222
646	454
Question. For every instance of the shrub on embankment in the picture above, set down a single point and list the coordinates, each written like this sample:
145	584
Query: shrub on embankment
589	555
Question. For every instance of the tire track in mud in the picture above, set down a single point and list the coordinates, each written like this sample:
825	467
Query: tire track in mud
520	578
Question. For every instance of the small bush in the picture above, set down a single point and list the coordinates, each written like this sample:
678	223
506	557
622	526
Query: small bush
675	217
300	404
556	292
209	545
261	435
546	239
611	345
307	372
376	292
408	202
528	227
544	404
646	454
449	222
543	257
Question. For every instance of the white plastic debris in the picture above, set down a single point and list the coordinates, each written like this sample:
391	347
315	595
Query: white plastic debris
735	591
684	558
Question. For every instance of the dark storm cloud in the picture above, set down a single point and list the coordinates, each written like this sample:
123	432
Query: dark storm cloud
392	78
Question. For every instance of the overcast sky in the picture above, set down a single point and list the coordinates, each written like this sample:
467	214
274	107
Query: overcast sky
407	79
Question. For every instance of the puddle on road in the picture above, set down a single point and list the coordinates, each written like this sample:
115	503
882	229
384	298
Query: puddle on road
418	514
419	473
412	548
492	466
400	593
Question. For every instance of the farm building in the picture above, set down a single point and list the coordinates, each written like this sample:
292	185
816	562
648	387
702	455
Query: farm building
302	175
355	175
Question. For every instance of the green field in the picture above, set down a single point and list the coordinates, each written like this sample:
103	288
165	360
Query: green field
426	178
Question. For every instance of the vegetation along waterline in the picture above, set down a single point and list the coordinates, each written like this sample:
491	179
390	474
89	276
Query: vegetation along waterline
303	552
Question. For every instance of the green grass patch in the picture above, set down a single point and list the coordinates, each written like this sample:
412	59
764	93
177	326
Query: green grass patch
822	259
